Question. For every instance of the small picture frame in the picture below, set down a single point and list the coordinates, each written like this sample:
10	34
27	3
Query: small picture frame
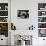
23	14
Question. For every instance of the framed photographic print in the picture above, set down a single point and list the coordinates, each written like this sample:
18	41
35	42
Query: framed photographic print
23	14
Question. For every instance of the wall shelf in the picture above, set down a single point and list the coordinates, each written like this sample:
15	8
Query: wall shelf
41	22
3	10
42	16
3	16
41	28
3	22
41	10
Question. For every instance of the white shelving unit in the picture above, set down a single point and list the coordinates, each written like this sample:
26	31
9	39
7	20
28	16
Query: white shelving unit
4	23
4	15
42	18
4	12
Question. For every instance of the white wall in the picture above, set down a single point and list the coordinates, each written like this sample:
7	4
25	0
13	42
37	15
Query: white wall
23	24
32	6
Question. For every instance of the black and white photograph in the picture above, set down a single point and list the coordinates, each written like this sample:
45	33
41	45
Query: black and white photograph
23	14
